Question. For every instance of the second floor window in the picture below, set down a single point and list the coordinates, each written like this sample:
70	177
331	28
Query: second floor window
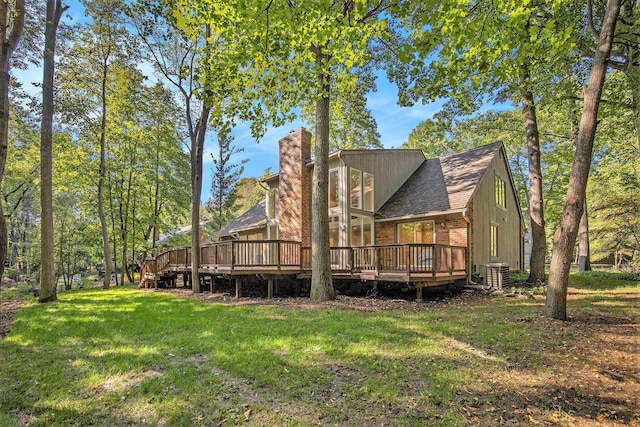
361	190
355	189
334	185
501	197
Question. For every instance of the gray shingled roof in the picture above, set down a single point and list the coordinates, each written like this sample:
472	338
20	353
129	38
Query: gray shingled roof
441	184
253	218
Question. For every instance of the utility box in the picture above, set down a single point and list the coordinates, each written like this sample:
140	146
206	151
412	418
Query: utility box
497	275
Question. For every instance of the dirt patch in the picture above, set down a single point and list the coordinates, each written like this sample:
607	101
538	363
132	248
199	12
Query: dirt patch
8	310
342	302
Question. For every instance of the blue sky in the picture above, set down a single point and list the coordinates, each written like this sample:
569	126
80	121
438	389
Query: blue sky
394	124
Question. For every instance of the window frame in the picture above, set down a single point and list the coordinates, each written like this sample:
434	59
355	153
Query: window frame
415	232
335	171
500	192
367	195
494	246
357	189
362	220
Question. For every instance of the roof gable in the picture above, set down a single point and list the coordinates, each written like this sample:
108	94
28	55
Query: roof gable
441	184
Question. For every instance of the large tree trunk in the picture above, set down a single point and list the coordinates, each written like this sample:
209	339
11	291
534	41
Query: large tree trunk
197	148
321	285
536	205
564	238
106	247
9	44
47	244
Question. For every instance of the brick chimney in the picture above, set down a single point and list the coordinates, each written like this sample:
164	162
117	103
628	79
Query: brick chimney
294	188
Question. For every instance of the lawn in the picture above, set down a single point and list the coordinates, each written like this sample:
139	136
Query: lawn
137	357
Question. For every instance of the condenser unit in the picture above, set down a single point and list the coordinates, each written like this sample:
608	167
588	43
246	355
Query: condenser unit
497	275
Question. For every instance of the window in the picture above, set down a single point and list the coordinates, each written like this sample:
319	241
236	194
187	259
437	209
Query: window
501	198
334	184
334	231
361	190
361	230
368	191
416	232
355	190
493	239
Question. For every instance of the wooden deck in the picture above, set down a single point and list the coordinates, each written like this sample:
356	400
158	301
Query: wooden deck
420	265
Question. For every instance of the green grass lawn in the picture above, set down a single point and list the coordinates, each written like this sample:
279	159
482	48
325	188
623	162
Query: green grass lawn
132	357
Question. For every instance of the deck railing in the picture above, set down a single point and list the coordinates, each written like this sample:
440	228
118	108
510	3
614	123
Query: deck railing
410	258
278	254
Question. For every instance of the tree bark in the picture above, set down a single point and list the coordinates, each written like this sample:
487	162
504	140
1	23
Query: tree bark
9	43
536	205
106	247
564	238
321	285
197	148
47	244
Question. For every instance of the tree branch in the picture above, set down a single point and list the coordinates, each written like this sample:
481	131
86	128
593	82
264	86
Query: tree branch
592	28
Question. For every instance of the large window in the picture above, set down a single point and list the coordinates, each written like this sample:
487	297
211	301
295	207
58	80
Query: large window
361	230
355	189
361	190
416	232
334	231
493	241
368	192
334	185
501	197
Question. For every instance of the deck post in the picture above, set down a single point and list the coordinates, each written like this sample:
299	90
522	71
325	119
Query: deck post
436	260
419	294
270	288
238	287
213	283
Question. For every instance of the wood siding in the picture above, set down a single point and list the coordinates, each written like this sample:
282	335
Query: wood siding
390	169
486	213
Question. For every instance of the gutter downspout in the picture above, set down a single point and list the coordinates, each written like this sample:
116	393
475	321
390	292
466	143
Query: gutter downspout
468	221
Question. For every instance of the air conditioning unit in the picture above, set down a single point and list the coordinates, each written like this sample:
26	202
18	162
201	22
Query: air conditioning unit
497	275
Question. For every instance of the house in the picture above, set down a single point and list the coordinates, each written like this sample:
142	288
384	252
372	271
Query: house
395	208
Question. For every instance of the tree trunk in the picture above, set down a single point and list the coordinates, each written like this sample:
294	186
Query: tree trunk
47	244
584	260
106	247
9	43
197	148
125	218
114	235
564	238
536	206
321	285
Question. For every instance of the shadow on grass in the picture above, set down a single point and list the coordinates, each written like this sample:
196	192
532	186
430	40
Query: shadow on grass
129	356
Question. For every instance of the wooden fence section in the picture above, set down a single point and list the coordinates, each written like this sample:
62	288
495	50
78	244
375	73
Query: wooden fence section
256	256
